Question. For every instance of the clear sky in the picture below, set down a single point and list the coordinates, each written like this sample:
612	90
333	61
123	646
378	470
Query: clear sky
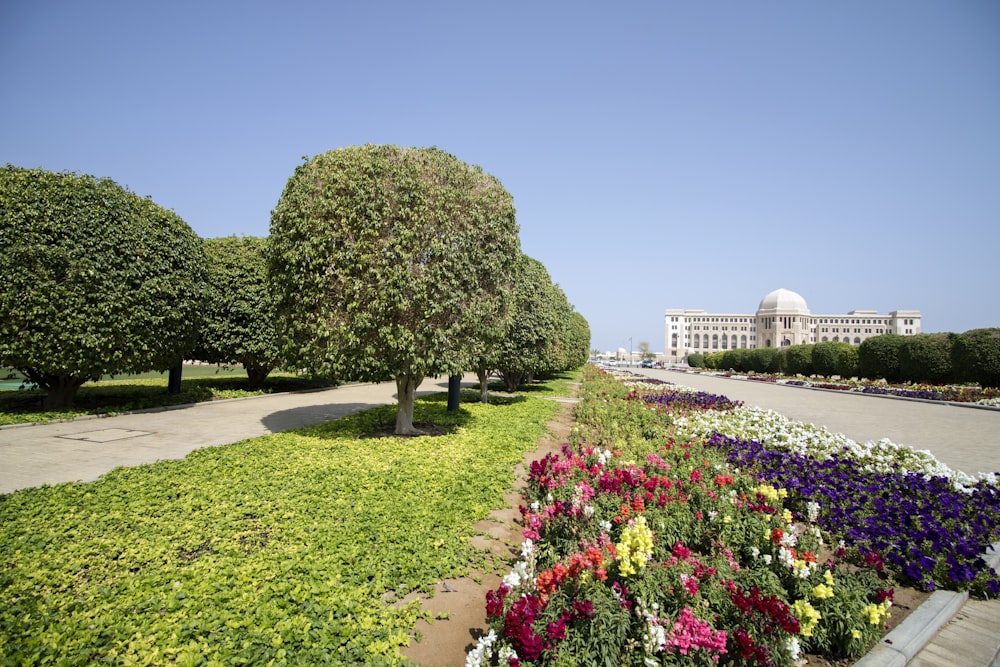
660	154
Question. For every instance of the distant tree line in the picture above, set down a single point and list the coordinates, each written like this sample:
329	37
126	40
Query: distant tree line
383	263
930	358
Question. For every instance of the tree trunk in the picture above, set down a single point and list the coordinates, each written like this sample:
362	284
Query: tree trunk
484	385
60	391
406	386
511	378
256	375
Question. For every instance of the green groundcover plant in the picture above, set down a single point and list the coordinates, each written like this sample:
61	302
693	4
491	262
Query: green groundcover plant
293	548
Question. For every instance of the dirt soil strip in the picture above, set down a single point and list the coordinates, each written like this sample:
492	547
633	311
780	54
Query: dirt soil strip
446	642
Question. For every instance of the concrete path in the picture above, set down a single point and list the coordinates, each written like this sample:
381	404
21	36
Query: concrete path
84	449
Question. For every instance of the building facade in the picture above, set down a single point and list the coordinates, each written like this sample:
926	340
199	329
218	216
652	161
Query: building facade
782	319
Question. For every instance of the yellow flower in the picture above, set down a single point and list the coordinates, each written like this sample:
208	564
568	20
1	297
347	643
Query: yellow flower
856	633
635	547
807	615
828	577
822	591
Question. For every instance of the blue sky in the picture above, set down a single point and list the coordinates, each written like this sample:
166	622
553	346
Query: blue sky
660	154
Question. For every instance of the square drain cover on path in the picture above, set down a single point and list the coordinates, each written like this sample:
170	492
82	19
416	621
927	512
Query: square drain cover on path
106	435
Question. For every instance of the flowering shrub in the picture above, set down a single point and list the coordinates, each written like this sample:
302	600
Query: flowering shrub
663	551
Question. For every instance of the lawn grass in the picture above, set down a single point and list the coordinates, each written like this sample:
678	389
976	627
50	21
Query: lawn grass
282	548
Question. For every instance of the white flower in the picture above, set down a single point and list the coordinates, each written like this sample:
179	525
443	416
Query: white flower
794	649
527	548
481	653
506	655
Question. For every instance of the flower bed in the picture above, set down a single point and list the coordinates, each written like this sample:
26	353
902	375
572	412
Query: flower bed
671	545
988	396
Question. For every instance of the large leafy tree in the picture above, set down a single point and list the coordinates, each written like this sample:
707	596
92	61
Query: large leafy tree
238	323
391	263
539	312
96	280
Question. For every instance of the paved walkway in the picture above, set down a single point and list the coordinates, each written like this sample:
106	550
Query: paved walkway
84	449
955	632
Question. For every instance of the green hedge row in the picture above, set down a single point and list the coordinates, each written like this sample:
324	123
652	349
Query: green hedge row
934	358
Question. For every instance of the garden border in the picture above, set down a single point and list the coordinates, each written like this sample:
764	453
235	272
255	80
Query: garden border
932	401
910	637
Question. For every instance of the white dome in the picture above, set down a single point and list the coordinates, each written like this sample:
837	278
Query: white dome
782	301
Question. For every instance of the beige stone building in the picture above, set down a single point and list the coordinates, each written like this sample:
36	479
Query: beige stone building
782	319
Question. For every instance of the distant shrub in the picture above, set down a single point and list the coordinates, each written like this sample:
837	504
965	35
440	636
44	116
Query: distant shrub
976	357
696	360
926	358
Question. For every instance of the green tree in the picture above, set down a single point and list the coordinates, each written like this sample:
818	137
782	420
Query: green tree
578	334
390	263
762	360
645	353
824	358
735	358
878	357
926	358
976	355
538	317
96	280
238	319
847	360
797	360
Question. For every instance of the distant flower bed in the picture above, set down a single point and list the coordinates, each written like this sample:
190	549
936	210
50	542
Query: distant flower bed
988	396
692	540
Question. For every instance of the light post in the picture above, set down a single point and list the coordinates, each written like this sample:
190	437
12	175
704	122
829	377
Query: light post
630	352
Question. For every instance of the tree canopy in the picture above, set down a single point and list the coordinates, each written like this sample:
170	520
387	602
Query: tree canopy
390	262
238	317
96	280
545	334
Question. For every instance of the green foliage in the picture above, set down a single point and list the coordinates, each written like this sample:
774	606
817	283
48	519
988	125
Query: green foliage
977	357
696	360
577	340
277	550
391	262
713	360
238	318
847	360
535	337
797	360
735	359
762	360
96	280
108	397
926	358
824	357
878	357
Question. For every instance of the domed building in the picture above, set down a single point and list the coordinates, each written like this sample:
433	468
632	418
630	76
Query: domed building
782	319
